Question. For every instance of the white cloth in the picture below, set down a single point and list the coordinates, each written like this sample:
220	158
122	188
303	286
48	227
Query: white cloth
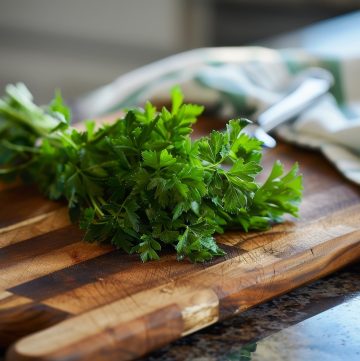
259	78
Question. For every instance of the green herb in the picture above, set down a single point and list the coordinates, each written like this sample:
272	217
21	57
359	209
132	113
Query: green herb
141	183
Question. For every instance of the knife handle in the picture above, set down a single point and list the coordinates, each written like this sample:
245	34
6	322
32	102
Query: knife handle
312	87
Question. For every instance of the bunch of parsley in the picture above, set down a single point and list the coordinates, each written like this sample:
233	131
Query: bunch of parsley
141	183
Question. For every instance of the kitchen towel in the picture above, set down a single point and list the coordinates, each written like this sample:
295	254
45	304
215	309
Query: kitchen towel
262	77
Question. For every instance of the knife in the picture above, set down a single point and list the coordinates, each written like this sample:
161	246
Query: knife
311	86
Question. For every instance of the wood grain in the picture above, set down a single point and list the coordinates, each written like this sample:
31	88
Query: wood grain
21	203
204	297
80	301
34	226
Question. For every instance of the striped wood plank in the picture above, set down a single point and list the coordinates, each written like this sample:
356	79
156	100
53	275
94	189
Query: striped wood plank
86	301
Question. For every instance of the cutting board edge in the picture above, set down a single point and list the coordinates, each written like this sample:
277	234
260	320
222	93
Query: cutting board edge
331	255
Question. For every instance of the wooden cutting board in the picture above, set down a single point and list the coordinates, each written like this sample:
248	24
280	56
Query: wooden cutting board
80	301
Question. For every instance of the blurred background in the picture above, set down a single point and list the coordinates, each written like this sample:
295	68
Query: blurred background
79	45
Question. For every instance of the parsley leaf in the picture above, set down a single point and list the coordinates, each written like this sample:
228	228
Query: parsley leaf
141	183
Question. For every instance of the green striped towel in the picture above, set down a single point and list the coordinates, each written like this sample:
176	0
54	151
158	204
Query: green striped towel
332	125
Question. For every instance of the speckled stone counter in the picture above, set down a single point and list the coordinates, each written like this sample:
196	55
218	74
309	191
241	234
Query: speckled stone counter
320	321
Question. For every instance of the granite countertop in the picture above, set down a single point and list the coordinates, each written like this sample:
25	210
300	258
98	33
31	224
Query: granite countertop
320	321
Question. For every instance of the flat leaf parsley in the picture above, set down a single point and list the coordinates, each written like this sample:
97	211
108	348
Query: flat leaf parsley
142	183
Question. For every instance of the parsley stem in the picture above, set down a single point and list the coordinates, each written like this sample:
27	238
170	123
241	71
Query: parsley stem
66	137
19	147
102	201
107	163
22	119
16	168
96	207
